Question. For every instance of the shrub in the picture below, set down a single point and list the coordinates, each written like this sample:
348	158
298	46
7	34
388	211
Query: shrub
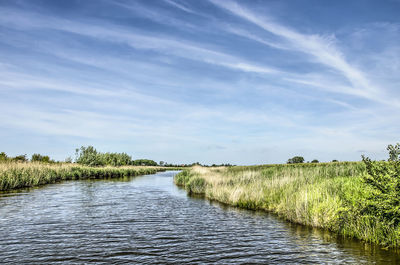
89	156
40	158
116	159
3	157
394	152
144	162
20	158
384	180
295	160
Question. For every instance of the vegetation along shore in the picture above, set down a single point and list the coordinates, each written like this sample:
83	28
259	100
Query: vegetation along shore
20	175
19	172
356	199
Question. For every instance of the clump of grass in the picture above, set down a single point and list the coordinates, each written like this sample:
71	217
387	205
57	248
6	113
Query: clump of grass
14	175
183	177
191	182
332	196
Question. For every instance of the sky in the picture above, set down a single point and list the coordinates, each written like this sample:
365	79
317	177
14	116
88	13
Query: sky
212	81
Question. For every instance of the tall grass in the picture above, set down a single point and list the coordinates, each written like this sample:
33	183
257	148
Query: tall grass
325	195
14	175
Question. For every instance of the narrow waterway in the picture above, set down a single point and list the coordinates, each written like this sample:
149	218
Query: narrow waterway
148	220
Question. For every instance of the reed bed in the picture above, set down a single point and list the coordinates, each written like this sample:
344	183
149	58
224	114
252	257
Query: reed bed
324	195
14	175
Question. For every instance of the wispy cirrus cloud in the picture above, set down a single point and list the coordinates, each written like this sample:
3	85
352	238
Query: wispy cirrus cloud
113	33
180	6
168	78
321	48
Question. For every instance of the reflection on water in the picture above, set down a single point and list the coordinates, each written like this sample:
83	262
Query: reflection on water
148	220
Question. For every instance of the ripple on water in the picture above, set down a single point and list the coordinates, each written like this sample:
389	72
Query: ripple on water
148	220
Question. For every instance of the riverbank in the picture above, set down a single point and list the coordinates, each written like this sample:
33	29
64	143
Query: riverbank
15	175
331	196
148	219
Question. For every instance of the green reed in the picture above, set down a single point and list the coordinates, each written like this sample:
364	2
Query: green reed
14	175
325	195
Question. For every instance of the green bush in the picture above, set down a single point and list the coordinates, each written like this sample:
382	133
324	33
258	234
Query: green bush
89	156
144	162
295	160
116	159
3	157
20	158
384	180
40	158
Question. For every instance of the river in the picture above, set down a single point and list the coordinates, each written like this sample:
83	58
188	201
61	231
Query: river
148	220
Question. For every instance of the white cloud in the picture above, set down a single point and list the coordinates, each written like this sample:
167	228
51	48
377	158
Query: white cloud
118	96
113	33
322	48
180	6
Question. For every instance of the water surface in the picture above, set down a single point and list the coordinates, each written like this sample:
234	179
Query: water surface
149	220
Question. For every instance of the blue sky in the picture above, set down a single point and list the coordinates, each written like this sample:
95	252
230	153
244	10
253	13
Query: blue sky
244	82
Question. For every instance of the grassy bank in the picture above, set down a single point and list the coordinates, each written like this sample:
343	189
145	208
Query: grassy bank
14	175
332	196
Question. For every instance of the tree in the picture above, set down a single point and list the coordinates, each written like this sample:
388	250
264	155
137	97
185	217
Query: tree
315	161
89	156
116	159
3	157
296	160
40	158
394	152
334	160
144	162
20	158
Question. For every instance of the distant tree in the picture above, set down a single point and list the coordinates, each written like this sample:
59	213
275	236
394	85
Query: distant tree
116	159
161	163
91	157
36	157
144	162
88	156
20	158
40	158
3	157
68	160
334	160
315	161
296	160
394	152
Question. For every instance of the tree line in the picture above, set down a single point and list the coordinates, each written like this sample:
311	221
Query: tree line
88	156
24	158
300	159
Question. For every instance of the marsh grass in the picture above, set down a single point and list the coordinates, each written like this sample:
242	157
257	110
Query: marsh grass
325	195
14	175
